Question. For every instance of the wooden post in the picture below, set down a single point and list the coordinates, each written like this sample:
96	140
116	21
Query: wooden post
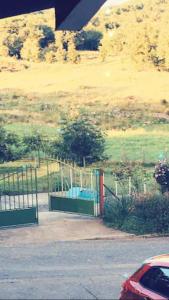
101	188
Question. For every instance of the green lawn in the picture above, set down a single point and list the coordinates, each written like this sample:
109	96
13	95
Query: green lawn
145	148
25	129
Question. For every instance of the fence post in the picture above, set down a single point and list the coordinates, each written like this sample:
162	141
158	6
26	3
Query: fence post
145	187
116	188
129	186
101	189
71	178
81	179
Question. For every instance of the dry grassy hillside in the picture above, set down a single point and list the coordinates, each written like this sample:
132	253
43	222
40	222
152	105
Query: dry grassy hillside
114	92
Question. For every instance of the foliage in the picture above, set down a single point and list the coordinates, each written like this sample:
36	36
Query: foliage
72	54
161	175
11	147
80	141
140	215
146	45
88	40
31	49
33	141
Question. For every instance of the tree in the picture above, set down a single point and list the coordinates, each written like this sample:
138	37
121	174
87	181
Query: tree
59	47
105	48
88	40
11	147
33	142
72	54
31	50
81	141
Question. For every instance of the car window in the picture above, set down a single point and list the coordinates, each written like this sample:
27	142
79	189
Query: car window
156	279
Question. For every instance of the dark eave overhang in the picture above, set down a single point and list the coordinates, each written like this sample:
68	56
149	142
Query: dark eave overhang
70	14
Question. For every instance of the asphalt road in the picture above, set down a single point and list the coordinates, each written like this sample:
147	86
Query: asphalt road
72	270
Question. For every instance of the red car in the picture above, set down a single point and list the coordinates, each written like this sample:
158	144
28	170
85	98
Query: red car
150	282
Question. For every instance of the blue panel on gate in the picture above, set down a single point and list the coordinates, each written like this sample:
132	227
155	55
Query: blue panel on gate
82	193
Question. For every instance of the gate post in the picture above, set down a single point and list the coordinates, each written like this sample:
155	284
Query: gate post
101	191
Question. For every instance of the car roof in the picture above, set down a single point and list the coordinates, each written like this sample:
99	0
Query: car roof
160	260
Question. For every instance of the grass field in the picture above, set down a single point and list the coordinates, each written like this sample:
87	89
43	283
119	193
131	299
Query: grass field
131	106
137	145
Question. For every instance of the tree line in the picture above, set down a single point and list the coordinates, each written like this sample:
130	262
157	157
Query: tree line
79	140
138	30
38	41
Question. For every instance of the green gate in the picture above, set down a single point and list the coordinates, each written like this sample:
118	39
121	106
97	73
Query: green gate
73	189
18	197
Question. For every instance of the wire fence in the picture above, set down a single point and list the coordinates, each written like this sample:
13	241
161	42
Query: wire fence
130	185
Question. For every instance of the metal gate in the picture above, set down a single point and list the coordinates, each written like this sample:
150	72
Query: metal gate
18	197
73	189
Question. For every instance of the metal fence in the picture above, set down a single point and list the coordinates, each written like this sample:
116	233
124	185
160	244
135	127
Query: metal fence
18	189
18	197
129	185
73	189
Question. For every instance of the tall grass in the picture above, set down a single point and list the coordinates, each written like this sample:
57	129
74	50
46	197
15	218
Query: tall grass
141	214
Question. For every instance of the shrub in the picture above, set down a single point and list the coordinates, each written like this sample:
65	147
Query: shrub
116	211
148	214
161	175
88	40
81	141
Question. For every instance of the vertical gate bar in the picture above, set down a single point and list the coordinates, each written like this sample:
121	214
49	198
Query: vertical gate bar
4	184
55	182
48	179
31	179
97	206
0	193
13	186
81	179
91	177
27	186
18	186
58	182
23	195
96	202
36	195
71	179
101	183
9	190
77	182
61	174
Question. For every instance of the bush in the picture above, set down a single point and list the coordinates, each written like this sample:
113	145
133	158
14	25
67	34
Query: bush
140	216
81	141
88	40
116	211
161	175
11	147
